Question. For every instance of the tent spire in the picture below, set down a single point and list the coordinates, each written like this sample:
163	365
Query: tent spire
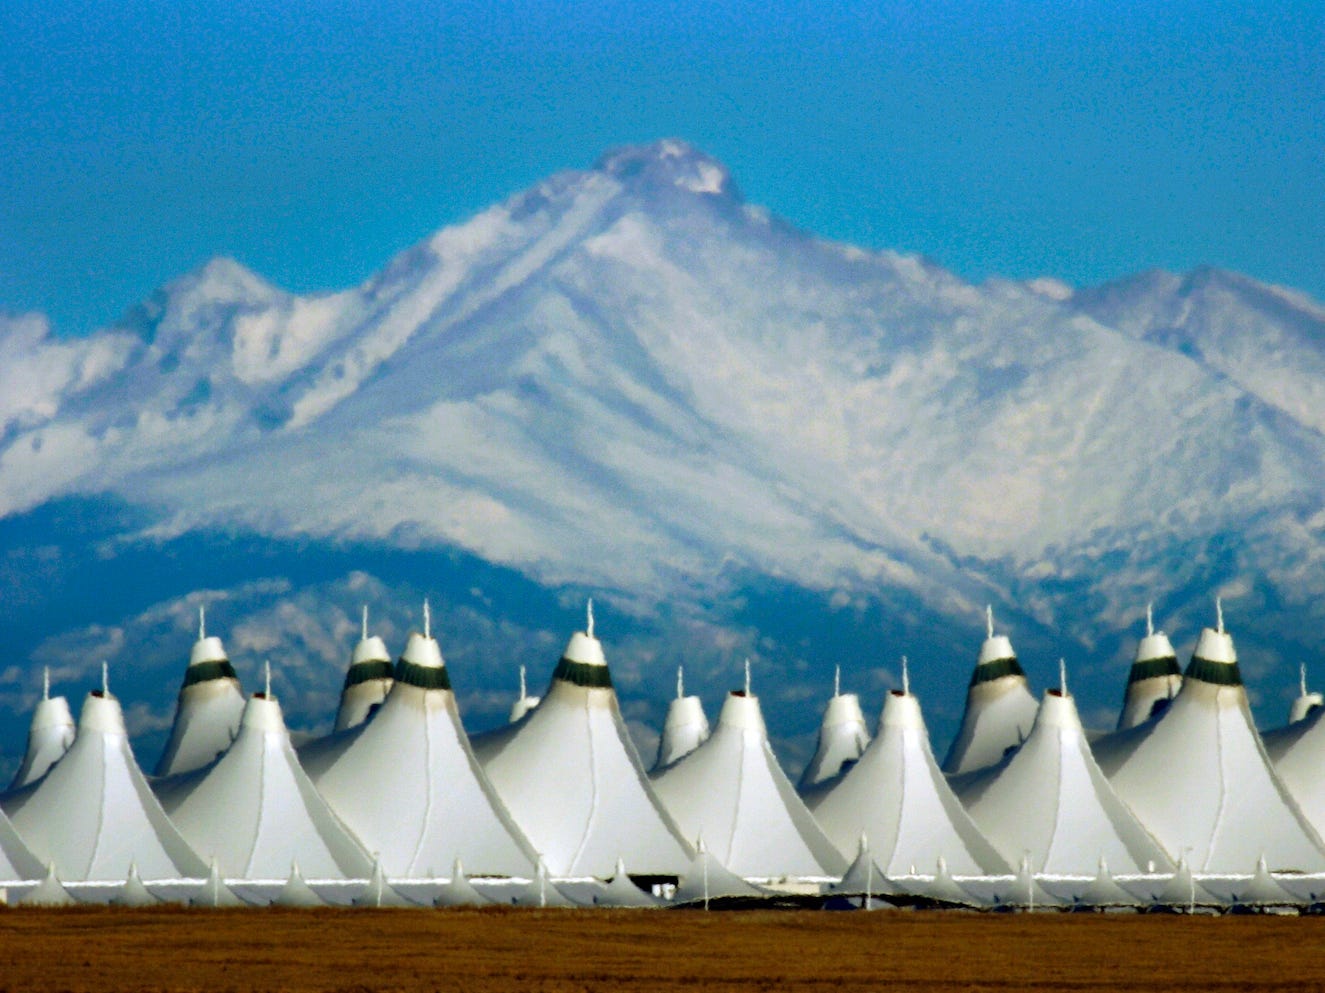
364	629
1150	618
1062	677
989	620
588	623
427	619
1219	614
523	694
837	680
906	678
747	676
202	621
1302	677
105	678
680	682
266	665
46	681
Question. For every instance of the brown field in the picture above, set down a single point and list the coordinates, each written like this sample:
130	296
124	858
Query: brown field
96	949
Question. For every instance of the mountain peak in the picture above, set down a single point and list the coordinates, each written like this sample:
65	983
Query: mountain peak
670	162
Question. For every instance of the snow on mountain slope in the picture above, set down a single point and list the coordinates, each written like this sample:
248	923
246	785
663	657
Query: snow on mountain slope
629	378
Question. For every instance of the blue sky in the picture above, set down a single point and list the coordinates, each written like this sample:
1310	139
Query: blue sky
312	141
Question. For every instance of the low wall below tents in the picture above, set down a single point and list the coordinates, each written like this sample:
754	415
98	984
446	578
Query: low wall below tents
499	949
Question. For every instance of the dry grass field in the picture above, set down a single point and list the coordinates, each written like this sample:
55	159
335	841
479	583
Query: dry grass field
90	949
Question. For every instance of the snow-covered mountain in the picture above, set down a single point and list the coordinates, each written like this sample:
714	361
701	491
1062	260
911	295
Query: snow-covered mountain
629	380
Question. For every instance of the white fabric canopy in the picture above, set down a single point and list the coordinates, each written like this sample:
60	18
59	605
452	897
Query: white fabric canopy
999	709
206	712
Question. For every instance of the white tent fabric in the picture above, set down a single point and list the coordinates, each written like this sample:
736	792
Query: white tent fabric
732	792
940	890
255	811
207	710
367	682
1104	894
458	891
1306	703
619	891
1024	892
1298	754
380	893
17	860
706	880
843	736
1199	778
50	892
685	728
1154	680
49	736
134	893
296	892
571	777
1182	894
1262	894
866	879
524	702
999	708
896	795
1050	801
407	782
93	814
214	893
540	892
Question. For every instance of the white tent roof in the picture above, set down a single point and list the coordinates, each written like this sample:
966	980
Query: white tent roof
524	702
1199	778
1049	800
1154	679
999	707
1306	702
843	735
458	891
93	814
408	784
1104	893
1298	755
296	892
367	682
134	893
706	880
214	892
380	893
50	892
896	795
732	792
256	811
207	711
571	777
684	730
49	736
17	860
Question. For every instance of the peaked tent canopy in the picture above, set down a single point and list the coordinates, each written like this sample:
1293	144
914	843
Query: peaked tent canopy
93	814
999	707
1154	679
208	709
1199	778
1298	754
732	791
50	892
255	811
706	880
1048	801
407	782
571	777
49	736
843	736
367	682
524	702
896	795
1307	702
685	728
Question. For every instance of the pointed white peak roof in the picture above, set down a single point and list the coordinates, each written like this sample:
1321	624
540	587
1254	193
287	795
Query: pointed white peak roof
379	892
407	782
134	893
897	796
732	791
999	707
49	735
686	726
214	893
541	892
255	810
1263	894
619	891
207	711
941	889
865	878
458	891
1104	893
93	814
572	779
367	681
1154	679
296	892
50	892
1298	754
525	702
1181	893
1024	892
1199	778
843	735
1306	702
1049	801
706	881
